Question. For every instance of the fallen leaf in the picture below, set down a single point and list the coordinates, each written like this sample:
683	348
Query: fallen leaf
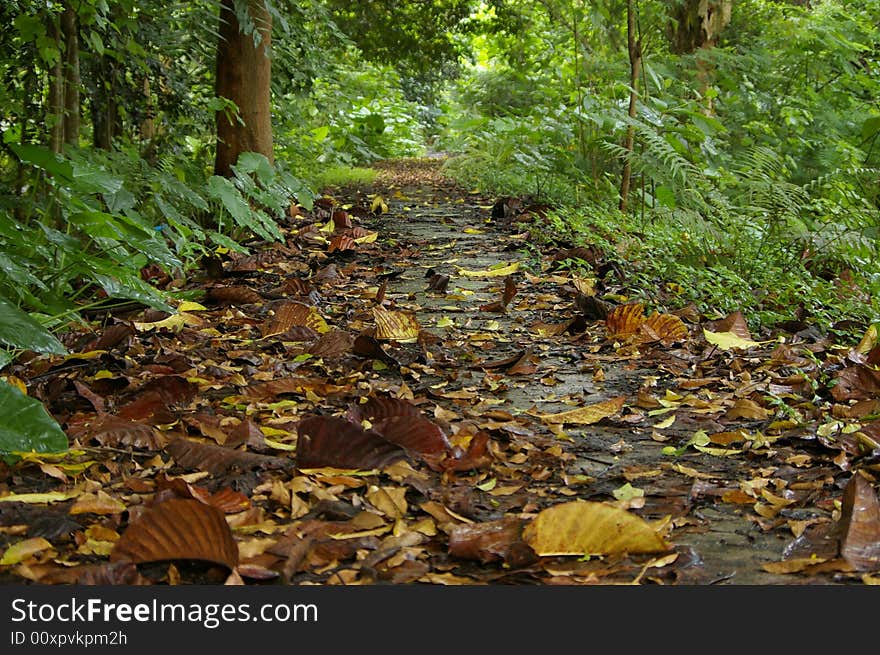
336	442
728	340
20	551
178	529
860	525
586	415
583	528
395	325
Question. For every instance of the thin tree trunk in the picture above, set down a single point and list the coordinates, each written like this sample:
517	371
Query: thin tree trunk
55	96
243	76
634	47
72	81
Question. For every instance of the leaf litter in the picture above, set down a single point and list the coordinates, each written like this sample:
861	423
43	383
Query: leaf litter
398	394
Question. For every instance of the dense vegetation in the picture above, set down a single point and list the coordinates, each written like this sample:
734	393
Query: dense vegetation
726	153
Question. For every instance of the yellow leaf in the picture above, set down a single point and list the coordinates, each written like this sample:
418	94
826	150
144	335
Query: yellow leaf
586	415
189	306
583	527
492	272
367	238
277	445
175	323
20	551
99	503
868	341
395	325
728	340
473	230
48	497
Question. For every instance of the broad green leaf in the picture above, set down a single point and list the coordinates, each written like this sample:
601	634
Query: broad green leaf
43	158
26	426
870	127
19	330
124	285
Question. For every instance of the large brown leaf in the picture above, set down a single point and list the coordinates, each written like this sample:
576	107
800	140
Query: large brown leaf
860	525
414	433
857	382
377	408
336	442
218	460
178	529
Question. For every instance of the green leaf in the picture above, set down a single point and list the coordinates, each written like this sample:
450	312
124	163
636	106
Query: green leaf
871	127
26	426
43	158
19	330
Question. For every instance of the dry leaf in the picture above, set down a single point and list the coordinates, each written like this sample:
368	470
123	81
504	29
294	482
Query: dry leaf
586	415
590	528
178	529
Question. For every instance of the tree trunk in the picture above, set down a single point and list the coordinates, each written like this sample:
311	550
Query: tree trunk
634	46
69	28
55	96
243	76
697	26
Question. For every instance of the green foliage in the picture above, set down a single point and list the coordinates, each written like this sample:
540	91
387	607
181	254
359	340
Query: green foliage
353	115
25	426
755	164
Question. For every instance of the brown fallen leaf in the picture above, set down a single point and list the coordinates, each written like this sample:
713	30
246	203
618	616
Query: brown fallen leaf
492	541
735	323
589	528
624	321
178	529
335	442
218	460
859	382
860	525
665	328
291	314
233	295
368	347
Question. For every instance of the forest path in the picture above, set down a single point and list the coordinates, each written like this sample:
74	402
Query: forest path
509	367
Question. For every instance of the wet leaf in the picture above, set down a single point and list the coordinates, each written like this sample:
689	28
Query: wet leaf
499	271
624	321
178	529
369	348
333	343
859	382
589	528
